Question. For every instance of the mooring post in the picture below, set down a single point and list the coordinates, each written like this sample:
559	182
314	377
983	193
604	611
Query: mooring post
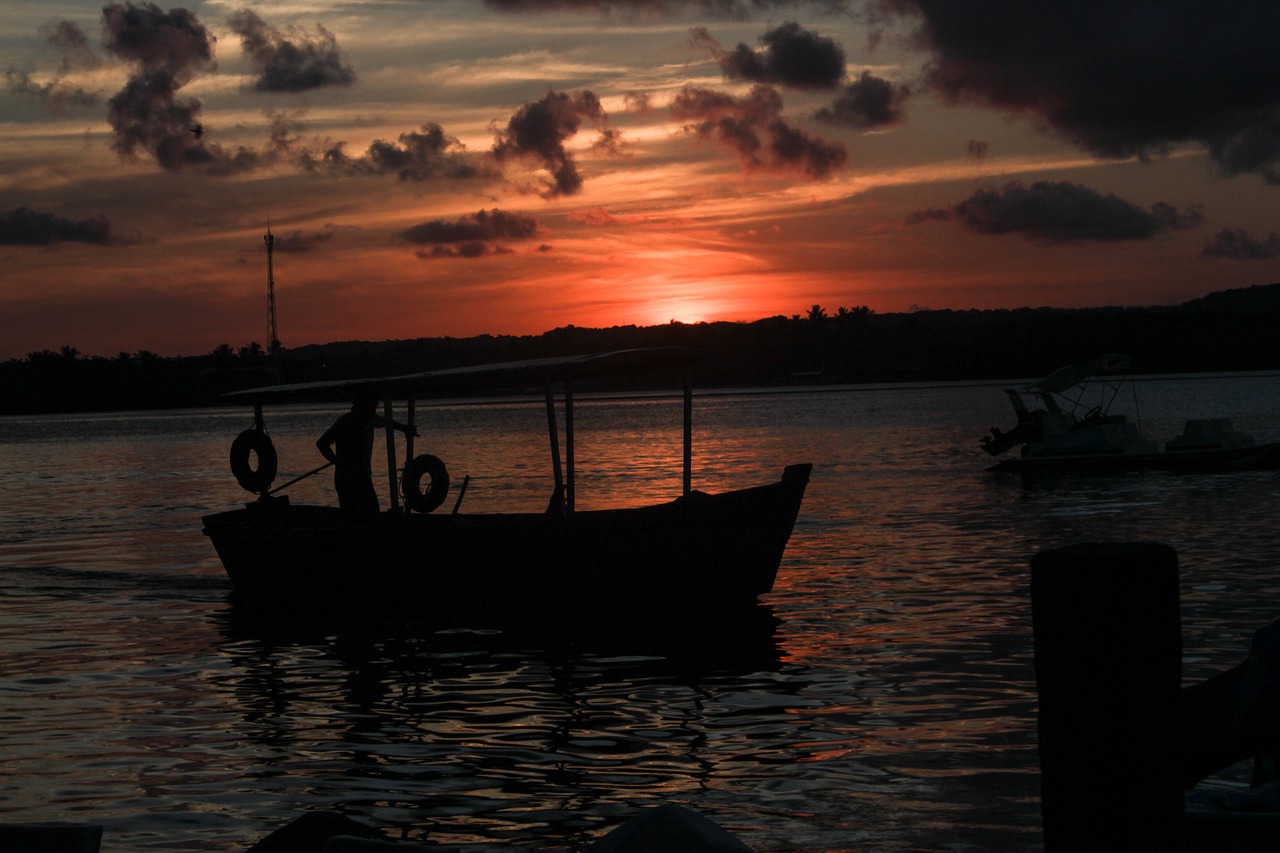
1108	659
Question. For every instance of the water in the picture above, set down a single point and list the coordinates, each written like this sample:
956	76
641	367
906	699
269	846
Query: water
881	699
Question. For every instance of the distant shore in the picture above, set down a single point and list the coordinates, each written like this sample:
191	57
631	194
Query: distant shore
1233	330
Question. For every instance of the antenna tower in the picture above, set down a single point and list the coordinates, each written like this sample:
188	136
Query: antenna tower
272	337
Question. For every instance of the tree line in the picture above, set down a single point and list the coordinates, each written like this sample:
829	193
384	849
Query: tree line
1226	331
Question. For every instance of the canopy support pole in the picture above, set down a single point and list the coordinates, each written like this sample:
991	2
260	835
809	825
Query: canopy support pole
410	418
557	496
391	453
569	489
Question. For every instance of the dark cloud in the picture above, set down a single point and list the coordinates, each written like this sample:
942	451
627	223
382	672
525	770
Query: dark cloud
147	116
26	227
754	127
731	9
170	49
471	236
638	102
1239	245
539	131
56	93
792	56
1253	149
69	42
1058	212
867	103
300	242
67	39
292	61
418	156
473	249
480	227
976	149
174	41
1118	78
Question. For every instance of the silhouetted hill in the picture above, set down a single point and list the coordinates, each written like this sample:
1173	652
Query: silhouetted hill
1225	331
1245	300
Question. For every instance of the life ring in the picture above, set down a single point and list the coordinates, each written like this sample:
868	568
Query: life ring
253	442
415	498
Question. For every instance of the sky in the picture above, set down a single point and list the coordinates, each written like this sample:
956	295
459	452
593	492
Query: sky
463	167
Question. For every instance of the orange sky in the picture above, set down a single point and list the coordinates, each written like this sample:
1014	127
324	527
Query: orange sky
467	167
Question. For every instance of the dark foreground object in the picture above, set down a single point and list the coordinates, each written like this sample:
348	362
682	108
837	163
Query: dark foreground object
662	829
1108	656
50	838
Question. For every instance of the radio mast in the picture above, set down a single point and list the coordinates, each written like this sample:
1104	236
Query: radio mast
273	346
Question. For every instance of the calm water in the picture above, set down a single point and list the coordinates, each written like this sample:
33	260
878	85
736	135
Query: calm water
882	699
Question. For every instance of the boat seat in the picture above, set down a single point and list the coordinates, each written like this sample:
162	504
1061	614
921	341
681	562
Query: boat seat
50	837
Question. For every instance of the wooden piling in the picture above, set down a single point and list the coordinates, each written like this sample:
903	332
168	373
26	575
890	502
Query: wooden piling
1108	658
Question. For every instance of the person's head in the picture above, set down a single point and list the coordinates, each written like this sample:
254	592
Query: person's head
365	400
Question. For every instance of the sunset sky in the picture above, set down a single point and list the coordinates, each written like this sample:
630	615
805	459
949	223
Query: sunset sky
461	167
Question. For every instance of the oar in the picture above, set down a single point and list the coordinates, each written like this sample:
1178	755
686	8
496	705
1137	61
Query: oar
299	479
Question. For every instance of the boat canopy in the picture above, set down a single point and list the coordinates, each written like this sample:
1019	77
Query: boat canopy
1070	376
541	371
494	375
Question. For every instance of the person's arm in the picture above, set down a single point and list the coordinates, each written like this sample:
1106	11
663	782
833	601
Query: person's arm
325	445
382	423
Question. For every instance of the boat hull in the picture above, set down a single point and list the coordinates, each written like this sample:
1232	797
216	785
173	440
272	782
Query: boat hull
1259	457
723	548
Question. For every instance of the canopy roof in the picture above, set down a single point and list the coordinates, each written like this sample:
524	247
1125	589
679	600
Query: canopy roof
488	376
1066	377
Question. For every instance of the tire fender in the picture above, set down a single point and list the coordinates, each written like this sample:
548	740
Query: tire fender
415	497
248	444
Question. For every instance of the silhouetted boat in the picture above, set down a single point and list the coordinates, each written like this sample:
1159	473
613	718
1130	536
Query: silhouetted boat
698	549
1059	431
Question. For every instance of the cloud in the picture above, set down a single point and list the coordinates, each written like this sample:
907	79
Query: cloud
293	61
539	131
57	93
1058	212
67	40
23	226
753	126
470	236
732	9
867	103
472	249
482	225
1119	79
174	41
419	155
792	56
299	242
170	49
1239	245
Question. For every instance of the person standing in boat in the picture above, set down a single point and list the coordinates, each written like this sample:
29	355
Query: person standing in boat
348	445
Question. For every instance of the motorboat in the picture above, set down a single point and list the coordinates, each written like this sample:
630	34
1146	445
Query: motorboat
1060	428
